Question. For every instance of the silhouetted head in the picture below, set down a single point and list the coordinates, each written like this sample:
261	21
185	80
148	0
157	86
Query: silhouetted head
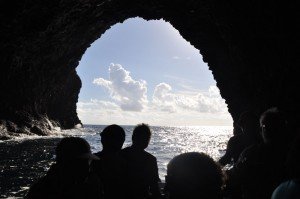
73	155
194	175
73	148
273	126
112	138
141	136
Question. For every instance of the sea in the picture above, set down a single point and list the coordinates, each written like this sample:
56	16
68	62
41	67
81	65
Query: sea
24	159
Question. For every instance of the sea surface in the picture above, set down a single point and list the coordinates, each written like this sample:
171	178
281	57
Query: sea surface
25	159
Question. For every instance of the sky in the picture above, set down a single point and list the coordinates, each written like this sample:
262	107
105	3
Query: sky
144	71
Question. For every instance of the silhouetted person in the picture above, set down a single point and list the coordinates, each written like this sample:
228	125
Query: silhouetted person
111	166
69	176
246	133
236	144
260	167
194	176
142	166
291	188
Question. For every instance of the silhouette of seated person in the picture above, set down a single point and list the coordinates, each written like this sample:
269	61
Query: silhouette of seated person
111	166
246	133
142	166
260	167
69	176
194	175
236	144
291	188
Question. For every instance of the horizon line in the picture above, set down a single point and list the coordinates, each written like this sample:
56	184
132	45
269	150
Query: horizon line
161	125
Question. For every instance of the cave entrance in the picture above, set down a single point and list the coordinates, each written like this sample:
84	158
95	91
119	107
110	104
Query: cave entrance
144	71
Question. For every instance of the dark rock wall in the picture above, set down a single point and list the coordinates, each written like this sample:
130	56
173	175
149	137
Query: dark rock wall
250	46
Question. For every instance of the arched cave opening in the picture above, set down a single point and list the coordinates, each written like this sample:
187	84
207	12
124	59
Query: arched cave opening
144	71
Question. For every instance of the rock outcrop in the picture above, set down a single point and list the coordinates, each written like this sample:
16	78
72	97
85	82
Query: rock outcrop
250	46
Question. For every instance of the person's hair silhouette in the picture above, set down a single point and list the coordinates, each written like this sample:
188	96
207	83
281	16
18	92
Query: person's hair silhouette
112	138
194	175
141	136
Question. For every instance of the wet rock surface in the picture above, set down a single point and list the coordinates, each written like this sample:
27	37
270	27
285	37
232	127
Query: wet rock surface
252	48
22	163
41	126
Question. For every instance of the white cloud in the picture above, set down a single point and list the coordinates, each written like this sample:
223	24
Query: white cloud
106	112
163	99
166	107
130	94
205	102
102	82
96	111
214	91
94	103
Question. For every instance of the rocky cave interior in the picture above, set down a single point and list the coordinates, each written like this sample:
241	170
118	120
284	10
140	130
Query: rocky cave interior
251	47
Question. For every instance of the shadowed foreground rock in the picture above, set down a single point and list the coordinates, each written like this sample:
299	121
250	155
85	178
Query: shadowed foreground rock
252	48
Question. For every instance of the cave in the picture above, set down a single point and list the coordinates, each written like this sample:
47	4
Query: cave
250	47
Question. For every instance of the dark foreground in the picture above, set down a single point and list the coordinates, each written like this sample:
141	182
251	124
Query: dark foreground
22	163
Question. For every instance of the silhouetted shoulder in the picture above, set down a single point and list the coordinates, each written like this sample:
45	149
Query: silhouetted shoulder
126	150
131	152
150	155
150	159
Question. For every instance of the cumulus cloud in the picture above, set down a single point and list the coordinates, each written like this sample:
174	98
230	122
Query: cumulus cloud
205	102
214	91
130	94
163	99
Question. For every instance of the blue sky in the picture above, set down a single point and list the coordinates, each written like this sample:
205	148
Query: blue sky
141	69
